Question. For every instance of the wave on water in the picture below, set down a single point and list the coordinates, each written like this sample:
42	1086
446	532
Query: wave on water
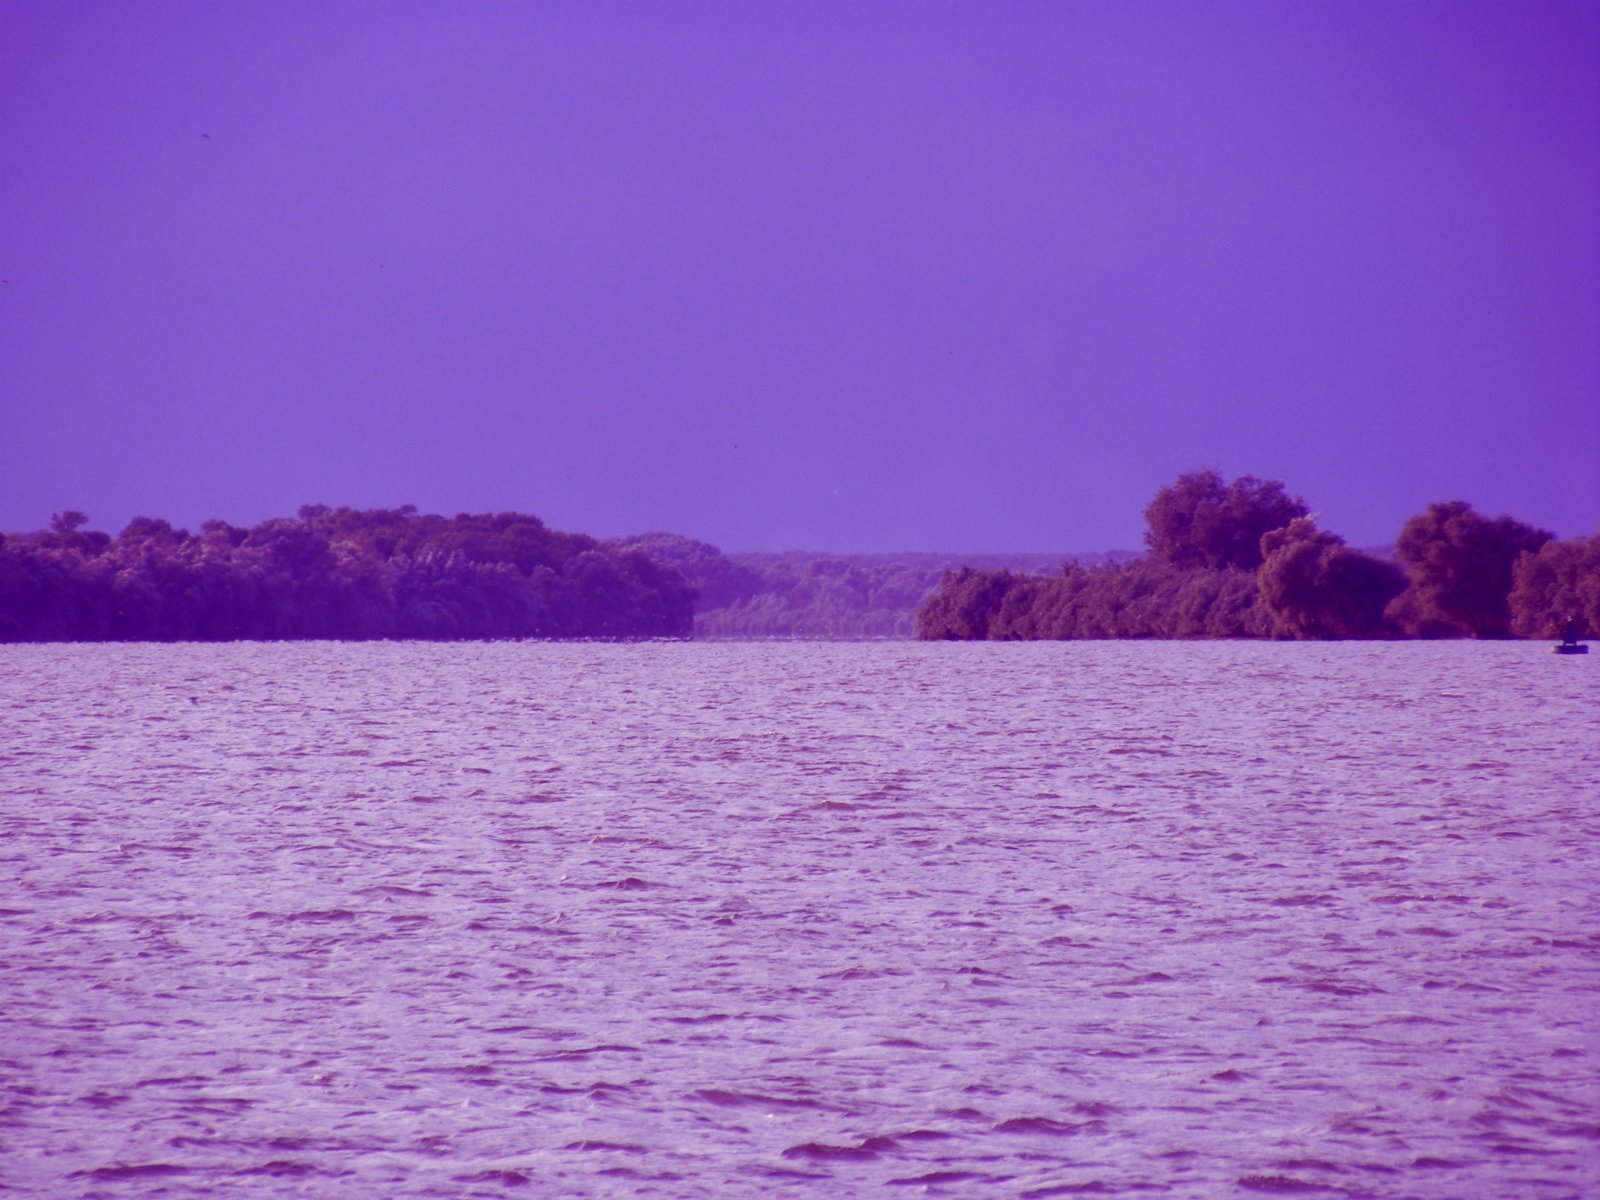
597	920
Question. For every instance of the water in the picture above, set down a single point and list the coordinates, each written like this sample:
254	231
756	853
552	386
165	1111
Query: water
1125	919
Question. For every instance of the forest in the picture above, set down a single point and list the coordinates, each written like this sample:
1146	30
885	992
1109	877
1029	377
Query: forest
333	573
1246	560
1222	560
801	594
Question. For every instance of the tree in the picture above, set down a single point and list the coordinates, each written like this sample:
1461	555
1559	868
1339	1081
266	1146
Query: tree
151	530
1314	586
1558	584
1460	567
965	605
1199	521
718	581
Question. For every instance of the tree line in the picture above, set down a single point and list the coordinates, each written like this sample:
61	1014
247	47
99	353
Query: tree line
801	594
1246	560
333	573
1223	560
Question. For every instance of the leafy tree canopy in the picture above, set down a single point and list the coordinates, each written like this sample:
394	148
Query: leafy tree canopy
1199	521
1460	565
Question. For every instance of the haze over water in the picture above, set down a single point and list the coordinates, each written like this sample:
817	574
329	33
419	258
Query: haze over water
1136	919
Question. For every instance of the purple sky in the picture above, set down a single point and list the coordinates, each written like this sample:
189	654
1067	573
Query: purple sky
851	276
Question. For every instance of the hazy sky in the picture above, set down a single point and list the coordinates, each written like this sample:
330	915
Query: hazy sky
849	276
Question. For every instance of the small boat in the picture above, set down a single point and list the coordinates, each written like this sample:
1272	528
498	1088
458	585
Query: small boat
1569	643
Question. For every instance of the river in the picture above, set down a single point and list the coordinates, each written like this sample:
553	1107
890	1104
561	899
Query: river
682	920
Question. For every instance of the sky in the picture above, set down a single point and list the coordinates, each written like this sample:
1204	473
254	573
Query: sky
797	274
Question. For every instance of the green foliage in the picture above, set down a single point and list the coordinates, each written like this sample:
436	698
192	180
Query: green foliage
833	596
1313	586
1239	560
1460	567
1138	600
1206	579
804	595
717	580
966	607
334	573
1557	587
1198	521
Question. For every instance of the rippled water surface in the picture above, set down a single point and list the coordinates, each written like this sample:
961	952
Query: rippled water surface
1126	919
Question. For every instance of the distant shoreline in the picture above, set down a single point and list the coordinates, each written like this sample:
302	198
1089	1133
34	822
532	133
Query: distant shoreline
1238	560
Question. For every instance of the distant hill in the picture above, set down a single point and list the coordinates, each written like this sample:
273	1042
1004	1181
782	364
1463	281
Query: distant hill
1031	563
814	594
